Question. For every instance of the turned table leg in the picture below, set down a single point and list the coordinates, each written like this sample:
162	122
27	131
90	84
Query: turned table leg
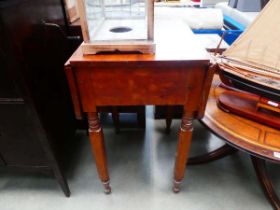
265	182
183	148
98	149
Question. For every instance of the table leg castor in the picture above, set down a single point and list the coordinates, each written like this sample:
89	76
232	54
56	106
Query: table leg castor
176	186
107	188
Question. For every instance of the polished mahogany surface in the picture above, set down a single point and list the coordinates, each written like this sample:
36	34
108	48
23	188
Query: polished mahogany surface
245	134
246	105
260	141
179	73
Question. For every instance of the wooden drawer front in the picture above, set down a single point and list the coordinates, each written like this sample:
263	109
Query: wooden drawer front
161	85
19	144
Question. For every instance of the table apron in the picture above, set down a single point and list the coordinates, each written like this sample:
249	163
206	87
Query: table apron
121	86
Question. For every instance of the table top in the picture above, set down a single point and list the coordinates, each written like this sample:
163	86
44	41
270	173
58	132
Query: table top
247	135
174	42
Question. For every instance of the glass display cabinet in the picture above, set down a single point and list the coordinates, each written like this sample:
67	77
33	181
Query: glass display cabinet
117	25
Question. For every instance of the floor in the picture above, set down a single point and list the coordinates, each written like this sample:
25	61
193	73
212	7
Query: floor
141	166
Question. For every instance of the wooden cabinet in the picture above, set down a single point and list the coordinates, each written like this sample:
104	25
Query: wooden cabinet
19	145
2	163
36	116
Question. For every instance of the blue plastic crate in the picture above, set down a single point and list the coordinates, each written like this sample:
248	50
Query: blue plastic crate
234	29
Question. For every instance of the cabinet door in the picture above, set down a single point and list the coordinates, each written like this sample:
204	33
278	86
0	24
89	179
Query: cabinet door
19	143
7	83
2	163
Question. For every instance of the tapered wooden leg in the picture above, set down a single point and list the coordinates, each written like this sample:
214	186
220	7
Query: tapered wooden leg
98	149
265	182
168	119
217	154
185	137
116	119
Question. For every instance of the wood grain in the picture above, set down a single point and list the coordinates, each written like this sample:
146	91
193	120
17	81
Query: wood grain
245	105
177	74
247	135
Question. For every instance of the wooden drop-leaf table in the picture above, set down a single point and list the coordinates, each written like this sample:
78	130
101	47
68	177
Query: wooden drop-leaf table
179	73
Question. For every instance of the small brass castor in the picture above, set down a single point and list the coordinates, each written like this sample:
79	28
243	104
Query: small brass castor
176	186
107	188
176	189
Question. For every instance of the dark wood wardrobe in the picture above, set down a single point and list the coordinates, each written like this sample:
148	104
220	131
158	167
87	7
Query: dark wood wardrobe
37	124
